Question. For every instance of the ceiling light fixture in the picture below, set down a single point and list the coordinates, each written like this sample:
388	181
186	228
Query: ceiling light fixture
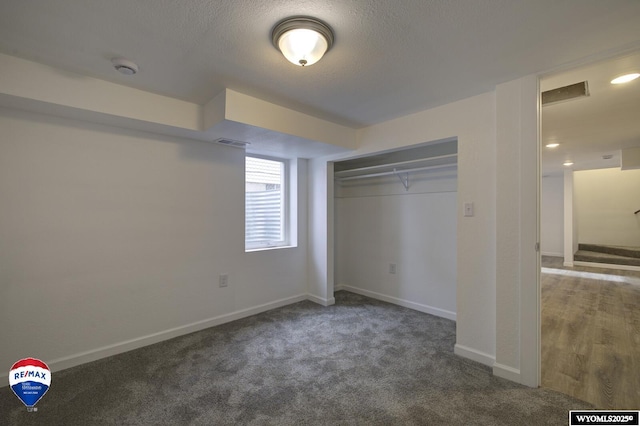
568	163
625	78
125	66
552	145
302	40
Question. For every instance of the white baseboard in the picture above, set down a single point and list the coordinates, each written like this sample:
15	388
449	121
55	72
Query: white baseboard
551	253
320	300
506	372
139	342
607	266
402	302
474	355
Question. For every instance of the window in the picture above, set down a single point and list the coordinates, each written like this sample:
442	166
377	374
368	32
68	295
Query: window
265	203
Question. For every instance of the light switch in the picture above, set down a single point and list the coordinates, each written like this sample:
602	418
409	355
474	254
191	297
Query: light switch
468	209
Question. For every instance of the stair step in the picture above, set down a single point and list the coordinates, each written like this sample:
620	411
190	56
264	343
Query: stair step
615	250
598	257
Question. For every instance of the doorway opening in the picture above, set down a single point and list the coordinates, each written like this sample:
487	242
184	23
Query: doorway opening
590	235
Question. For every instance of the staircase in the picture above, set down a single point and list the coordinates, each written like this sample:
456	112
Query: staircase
613	255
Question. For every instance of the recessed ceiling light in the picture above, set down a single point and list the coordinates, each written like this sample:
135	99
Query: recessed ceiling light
552	145
625	78
568	163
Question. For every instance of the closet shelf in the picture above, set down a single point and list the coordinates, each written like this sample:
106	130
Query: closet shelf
400	169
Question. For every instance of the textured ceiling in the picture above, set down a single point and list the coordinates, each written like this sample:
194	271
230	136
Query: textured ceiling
389	58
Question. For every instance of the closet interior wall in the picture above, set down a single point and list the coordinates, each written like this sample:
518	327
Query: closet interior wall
399	244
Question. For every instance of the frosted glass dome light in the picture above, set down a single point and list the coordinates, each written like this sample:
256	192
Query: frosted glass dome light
302	40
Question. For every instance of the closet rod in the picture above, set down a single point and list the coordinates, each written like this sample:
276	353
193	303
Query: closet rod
395	172
398	164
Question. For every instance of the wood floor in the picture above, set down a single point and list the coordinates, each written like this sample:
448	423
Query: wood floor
591	334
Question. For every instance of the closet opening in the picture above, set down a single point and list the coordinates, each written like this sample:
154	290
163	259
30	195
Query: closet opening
395	216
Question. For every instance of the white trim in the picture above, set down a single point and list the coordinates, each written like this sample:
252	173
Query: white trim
552	254
139	342
259	249
474	355
529	271
506	372
606	265
569	264
321	300
402	302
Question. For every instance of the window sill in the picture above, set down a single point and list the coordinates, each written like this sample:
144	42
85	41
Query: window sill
252	250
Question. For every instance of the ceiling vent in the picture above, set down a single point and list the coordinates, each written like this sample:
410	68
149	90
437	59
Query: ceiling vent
566	93
231	142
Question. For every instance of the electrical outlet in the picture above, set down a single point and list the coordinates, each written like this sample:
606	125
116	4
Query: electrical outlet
392	268
223	280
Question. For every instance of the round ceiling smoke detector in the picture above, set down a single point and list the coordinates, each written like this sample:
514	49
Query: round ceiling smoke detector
124	66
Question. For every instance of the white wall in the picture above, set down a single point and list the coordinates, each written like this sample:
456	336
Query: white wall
605	202
111	239
552	216
321	268
378	223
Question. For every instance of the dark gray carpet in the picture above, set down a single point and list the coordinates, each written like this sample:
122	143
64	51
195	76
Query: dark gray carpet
360	362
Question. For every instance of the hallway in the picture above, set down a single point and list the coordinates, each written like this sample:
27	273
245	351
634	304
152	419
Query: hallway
591	333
